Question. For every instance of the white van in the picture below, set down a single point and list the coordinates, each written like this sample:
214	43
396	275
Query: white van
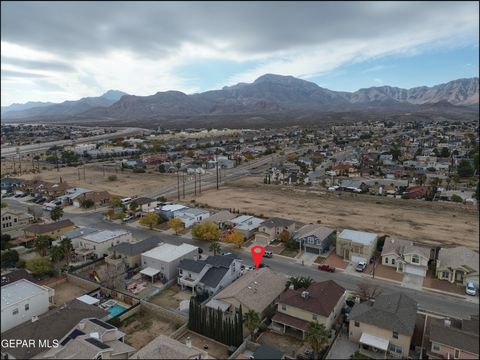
125	201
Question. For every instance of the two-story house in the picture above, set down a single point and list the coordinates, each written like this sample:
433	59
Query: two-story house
13	222
356	246
321	302
98	243
405	257
210	275
271	229
315	238
192	216
453	339
458	265
384	325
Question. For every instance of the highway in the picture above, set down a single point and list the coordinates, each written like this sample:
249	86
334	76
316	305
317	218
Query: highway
432	302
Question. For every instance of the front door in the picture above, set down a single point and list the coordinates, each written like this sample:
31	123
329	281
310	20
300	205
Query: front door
346	254
459	276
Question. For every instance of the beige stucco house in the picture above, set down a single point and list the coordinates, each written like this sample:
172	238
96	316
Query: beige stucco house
405	257
458	265
356	246
13	222
384	326
271	229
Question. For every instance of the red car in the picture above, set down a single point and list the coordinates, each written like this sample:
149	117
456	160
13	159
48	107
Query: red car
326	267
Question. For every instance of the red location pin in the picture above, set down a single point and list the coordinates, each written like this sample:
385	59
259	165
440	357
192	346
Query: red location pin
257	254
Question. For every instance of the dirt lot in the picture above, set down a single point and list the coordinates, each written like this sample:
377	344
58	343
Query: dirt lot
127	183
145	326
421	221
287	344
67	291
171	297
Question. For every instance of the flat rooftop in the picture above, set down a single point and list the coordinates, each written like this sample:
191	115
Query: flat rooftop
105	235
169	252
359	237
20	290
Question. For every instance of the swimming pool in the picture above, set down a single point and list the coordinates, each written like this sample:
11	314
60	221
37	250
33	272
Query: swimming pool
116	310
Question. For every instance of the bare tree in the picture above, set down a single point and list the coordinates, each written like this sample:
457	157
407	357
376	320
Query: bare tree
367	291
36	212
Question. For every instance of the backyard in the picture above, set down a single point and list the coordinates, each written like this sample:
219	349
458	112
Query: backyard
171	297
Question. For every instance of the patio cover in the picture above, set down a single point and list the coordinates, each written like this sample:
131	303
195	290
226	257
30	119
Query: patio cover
87	299
150	271
374	341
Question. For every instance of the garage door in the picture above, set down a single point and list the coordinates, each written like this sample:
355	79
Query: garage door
357	259
415	270
312	250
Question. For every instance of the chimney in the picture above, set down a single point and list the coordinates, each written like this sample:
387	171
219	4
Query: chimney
81	325
305	295
188	342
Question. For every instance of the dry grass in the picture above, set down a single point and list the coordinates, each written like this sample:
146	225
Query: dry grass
427	222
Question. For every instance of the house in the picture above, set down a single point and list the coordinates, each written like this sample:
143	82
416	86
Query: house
192	216
315	238
14	221
453	339
73	194
9	184
246	224
145	204
98	243
353	185
54	230
49	327
405	257
91	339
255	290
384	326
171	210
221	218
458	265
78	232
321	302
271	229
99	198
162	261
22	300
210	275
356	246
9	277
417	192
164	347
130	252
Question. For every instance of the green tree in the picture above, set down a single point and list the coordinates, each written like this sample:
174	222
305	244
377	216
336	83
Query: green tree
115	201
317	337
161	168
5	238
456	198
133	206
150	219
465	169
445	152
235	237
251	320
9	258
56	213
207	231
299	282
67	248
87	203
39	266
56	255
176	224
42	243
214	247
4	205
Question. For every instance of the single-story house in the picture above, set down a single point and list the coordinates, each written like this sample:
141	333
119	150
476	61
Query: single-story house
171	210
145	204
192	216
246	224
221	218
53	230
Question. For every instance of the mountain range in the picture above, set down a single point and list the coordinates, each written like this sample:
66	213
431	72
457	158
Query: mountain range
269	94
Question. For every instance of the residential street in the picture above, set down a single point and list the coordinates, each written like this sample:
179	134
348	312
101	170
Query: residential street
429	301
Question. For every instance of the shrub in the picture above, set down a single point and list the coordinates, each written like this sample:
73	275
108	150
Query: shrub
456	198
20	264
112	178
88	203
139	170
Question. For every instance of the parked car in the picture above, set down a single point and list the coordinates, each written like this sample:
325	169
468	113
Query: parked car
262	265
268	254
361	266
200	250
128	218
326	267
470	289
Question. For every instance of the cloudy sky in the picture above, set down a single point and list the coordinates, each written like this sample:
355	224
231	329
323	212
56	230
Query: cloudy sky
56	51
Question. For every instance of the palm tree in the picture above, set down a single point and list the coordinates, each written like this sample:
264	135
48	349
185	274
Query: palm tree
67	248
214	247
299	282
252	320
316	336
56	255
41	245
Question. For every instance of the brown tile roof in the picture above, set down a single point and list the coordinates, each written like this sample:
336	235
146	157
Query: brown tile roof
290	321
46	228
323	297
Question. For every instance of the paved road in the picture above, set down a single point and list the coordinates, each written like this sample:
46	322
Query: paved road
438	303
24	149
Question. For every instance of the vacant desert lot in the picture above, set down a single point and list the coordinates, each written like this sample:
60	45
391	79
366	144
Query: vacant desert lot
434	223
127	183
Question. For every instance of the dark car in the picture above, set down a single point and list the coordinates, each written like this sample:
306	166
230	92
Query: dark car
326	267
200	250
262	265
268	254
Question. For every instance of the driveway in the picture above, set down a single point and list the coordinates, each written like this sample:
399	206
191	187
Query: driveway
308	258
412	281
342	348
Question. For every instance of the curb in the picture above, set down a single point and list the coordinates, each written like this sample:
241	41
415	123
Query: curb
442	292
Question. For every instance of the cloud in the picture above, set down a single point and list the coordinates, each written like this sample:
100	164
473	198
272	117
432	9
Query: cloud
139	46
12	74
378	81
374	69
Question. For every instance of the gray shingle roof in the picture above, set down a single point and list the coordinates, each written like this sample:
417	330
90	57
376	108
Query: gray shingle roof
277	222
461	338
221	260
396	312
191	265
136	248
320	231
213	276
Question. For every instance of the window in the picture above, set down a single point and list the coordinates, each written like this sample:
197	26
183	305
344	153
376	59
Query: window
393	261
395	335
395	348
314	316
457	354
318	242
284	307
445	274
15	220
415	259
27	307
357	324
15	311
180	271
386	260
435	347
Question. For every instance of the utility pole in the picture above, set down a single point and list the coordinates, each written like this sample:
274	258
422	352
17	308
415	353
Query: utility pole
183	180
195	179
200	183
103	167
178	184
84	179
56	160
78	173
216	165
